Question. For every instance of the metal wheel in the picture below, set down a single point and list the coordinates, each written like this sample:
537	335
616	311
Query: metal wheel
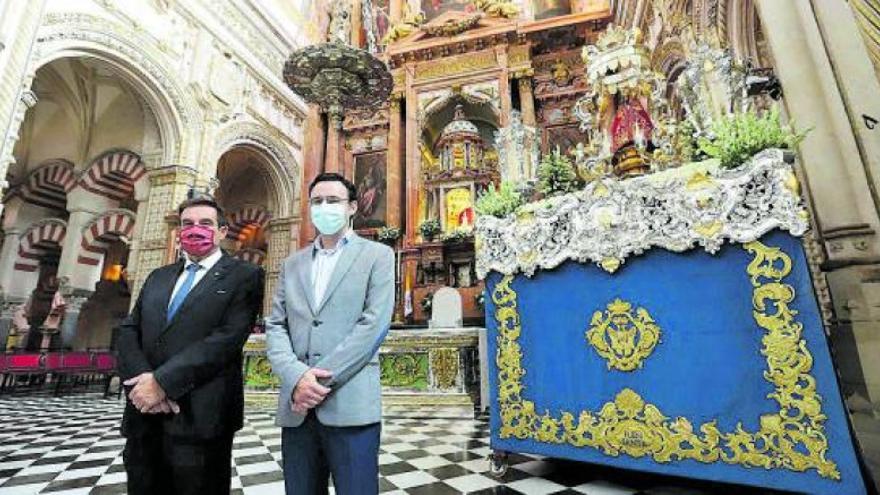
498	464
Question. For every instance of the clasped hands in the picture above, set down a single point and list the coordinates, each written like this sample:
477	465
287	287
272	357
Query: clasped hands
148	396
308	393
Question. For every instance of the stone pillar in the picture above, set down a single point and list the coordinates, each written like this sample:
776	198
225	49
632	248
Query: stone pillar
73	306
395	163
7	258
168	188
283	233
18	28
413	160
828	153
836	169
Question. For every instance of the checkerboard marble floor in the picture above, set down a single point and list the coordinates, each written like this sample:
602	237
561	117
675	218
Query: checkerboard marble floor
71	445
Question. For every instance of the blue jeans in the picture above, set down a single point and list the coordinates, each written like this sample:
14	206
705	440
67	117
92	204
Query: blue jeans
312	452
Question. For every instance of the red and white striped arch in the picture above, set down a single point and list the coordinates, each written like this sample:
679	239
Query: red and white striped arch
245	218
255	256
114	174
40	239
102	231
49	184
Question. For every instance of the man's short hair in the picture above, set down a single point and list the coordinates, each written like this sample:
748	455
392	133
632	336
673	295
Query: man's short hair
203	200
334	177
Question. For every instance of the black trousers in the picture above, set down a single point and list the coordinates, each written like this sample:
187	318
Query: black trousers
162	464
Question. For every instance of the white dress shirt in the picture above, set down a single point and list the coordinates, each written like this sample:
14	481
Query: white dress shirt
323	263
206	265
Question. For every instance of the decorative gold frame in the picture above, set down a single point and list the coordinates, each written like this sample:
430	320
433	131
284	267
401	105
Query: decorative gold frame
792	438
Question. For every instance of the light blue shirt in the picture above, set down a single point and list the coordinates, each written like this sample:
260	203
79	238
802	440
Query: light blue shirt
206	265
323	263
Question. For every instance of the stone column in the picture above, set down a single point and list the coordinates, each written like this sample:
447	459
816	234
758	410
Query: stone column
395	163
84	206
283	239
168	188
18	29
73	306
413	159
7	258
840	195
837	172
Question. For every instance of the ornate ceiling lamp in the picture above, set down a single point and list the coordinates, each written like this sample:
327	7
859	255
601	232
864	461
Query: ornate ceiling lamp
337	77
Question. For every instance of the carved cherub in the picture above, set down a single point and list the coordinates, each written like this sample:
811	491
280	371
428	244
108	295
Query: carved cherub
498	8
409	23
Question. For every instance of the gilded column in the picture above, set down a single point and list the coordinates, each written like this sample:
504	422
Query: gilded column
283	240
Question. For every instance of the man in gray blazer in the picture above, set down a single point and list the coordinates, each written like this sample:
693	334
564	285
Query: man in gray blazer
330	313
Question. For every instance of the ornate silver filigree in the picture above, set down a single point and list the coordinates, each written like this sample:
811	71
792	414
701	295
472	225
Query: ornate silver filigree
677	210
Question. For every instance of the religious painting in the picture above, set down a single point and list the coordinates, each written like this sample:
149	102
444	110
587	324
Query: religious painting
545	9
434	8
566	137
381	20
459	208
370	172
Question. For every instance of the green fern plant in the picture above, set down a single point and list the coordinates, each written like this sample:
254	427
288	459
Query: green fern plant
499	202
556	175
738	137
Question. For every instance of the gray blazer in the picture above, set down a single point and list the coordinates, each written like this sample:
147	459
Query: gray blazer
341	335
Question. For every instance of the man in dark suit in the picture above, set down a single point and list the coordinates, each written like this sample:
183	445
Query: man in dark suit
180	359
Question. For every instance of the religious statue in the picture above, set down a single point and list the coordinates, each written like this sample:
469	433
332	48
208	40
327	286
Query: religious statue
340	22
625	112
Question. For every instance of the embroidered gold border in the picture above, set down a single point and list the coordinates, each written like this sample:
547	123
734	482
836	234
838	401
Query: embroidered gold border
792	438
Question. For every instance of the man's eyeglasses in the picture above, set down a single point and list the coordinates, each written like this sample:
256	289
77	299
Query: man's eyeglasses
330	200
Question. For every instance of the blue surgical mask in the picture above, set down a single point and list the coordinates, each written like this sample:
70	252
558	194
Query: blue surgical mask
328	218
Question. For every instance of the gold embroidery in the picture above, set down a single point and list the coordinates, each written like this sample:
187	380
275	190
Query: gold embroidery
792	438
623	337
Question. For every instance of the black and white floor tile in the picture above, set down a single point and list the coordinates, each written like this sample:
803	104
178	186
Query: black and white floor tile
71	445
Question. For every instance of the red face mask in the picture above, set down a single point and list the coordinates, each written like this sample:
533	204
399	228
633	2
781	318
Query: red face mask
197	240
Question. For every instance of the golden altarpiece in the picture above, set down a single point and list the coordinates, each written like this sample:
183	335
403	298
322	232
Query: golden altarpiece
477	86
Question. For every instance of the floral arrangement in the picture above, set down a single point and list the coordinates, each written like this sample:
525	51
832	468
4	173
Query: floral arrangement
429	228
427	303
457	235
736	138
557	175
480	299
499	202
388	234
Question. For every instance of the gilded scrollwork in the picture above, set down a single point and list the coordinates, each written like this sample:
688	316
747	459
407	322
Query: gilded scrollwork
791	438
624	336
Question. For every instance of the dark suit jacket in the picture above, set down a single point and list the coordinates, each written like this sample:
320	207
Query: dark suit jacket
197	356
